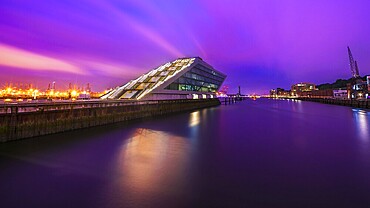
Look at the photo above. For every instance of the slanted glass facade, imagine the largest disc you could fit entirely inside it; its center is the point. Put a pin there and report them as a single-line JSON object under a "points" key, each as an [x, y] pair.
{"points": [[200, 79], [190, 74], [143, 85]]}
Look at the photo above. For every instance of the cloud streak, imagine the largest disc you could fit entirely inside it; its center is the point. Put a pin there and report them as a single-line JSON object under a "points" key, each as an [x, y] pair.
{"points": [[140, 28], [113, 69], [19, 58]]}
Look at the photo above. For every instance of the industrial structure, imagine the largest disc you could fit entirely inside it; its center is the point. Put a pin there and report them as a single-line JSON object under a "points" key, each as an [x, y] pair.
{"points": [[355, 88], [184, 78], [353, 64], [358, 88]]}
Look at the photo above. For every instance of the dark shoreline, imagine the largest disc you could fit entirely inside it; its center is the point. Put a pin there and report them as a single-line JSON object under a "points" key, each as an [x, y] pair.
{"points": [[343, 102]]}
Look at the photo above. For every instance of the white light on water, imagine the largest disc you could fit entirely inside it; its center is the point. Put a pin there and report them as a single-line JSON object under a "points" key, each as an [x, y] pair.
{"points": [[194, 119], [362, 121]]}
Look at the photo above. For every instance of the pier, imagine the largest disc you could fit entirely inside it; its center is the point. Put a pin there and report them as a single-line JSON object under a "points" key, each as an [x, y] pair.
{"points": [[19, 121], [231, 99]]}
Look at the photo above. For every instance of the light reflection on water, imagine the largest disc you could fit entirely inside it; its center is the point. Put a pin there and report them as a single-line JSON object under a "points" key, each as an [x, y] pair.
{"points": [[297, 106], [362, 122], [194, 119], [150, 159]]}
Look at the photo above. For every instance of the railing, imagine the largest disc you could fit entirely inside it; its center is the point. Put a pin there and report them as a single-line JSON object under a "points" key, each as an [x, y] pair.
{"points": [[9, 108]]}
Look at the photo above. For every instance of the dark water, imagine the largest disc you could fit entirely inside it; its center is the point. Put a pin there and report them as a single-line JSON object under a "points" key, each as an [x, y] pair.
{"points": [[264, 153]]}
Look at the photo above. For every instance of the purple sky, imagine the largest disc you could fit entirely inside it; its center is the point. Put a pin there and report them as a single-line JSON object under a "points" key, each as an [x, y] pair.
{"points": [[259, 44]]}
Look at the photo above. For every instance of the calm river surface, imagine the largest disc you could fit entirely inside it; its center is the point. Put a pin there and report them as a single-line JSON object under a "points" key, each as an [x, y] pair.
{"points": [[263, 153]]}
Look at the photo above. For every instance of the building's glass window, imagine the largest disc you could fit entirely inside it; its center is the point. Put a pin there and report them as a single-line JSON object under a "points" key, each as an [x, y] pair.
{"points": [[154, 79], [142, 86], [198, 79]]}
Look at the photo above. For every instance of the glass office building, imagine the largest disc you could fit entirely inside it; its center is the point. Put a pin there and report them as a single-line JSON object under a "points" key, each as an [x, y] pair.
{"points": [[185, 78]]}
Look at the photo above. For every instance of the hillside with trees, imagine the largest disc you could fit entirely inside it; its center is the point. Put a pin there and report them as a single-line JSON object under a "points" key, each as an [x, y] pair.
{"points": [[340, 83]]}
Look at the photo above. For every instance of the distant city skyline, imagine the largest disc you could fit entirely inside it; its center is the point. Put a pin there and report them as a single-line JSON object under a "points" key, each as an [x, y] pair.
{"points": [[260, 45]]}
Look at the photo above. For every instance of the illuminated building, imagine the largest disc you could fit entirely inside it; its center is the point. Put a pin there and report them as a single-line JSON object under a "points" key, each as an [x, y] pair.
{"points": [[280, 92], [302, 87], [358, 89], [184, 78], [273, 93], [340, 94]]}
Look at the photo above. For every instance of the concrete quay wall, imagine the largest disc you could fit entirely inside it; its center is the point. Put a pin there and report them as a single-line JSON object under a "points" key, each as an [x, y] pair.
{"points": [[351, 103], [25, 121]]}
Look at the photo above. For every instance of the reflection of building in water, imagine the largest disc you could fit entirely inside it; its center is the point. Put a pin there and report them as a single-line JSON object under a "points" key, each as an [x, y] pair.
{"points": [[151, 158], [184, 78]]}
